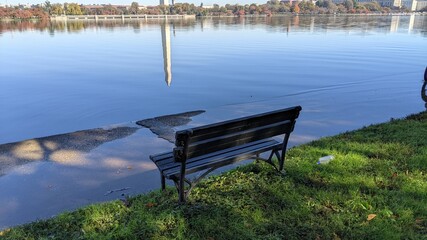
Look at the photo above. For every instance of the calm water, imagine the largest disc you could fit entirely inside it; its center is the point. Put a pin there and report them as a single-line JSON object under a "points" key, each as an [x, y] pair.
{"points": [[346, 72], [61, 77]]}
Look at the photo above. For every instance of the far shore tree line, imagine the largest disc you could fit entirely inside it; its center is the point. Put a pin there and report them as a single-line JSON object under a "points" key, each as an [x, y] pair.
{"points": [[273, 7]]}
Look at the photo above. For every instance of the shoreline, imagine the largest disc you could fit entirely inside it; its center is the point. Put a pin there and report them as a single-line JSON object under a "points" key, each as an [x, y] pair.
{"points": [[184, 17], [327, 196]]}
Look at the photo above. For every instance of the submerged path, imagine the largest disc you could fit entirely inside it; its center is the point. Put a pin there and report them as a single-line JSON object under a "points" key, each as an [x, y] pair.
{"points": [[375, 188]]}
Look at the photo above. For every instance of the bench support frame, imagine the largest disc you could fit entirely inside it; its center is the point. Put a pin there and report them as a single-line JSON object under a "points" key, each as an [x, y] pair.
{"points": [[207, 148], [180, 182]]}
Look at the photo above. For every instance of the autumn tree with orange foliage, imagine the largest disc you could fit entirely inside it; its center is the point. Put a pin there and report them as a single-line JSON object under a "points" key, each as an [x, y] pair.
{"points": [[295, 8], [23, 13]]}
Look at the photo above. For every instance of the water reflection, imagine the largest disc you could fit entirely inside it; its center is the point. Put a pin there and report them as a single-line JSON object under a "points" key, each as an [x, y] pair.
{"points": [[416, 23], [287, 24], [166, 45], [66, 149], [394, 25], [81, 76]]}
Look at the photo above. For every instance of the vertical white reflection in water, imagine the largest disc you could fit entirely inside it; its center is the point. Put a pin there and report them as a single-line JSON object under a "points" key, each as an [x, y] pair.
{"points": [[411, 23], [394, 25], [166, 44]]}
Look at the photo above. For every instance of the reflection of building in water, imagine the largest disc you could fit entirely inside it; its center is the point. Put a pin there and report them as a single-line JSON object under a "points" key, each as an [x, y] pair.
{"points": [[312, 24], [403, 22], [166, 44], [411, 23], [394, 25]]}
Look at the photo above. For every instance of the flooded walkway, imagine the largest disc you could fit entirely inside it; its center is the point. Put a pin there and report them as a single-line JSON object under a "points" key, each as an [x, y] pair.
{"points": [[42, 177]]}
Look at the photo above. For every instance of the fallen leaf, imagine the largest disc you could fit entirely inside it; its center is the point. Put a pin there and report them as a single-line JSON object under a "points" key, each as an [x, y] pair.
{"points": [[371, 216], [150, 204], [394, 175]]}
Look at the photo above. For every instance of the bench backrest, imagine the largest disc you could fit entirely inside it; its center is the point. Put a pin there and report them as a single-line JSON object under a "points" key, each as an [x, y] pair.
{"points": [[206, 139]]}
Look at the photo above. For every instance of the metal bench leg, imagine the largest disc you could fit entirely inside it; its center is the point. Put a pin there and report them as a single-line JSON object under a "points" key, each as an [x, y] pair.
{"points": [[271, 155], [283, 154], [181, 191], [181, 188], [163, 180], [257, 158]]}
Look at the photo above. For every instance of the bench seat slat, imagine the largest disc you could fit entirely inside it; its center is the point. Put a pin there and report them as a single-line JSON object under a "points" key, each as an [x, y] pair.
{"points": [[166, 162], [225, 158], [159, 157]]}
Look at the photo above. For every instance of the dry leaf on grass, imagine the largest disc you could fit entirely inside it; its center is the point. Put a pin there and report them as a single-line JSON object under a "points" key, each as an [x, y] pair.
{"points": [[150, 205], [371, 216]]}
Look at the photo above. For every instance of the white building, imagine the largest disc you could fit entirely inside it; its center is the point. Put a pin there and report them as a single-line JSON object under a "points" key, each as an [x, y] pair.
{"points": [[390, 3], [421, 4], [410, 4]]}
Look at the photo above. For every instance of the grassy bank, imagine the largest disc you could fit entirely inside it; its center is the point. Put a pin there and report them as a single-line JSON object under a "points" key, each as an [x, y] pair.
{"points": [[375, 188]]}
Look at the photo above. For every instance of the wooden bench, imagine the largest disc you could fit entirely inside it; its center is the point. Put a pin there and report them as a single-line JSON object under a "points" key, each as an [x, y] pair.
{"points": [[209, 147]]}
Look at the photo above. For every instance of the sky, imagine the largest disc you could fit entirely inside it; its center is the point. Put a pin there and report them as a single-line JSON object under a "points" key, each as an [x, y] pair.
{"points": [[128, 2]]}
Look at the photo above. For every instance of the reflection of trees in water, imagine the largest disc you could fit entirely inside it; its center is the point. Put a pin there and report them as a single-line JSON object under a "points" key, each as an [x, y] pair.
{"points": [[79, 25], [21, 26], [66, 149], [361, 23], [76, 26]]}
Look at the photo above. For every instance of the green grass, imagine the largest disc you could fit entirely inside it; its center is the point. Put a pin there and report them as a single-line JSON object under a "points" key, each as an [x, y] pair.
{"points": [[380, 169]]}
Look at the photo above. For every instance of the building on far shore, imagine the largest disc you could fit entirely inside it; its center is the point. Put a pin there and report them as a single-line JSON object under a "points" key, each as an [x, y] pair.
{"points": [[421, 4], [409, 4], [412, 5]]}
